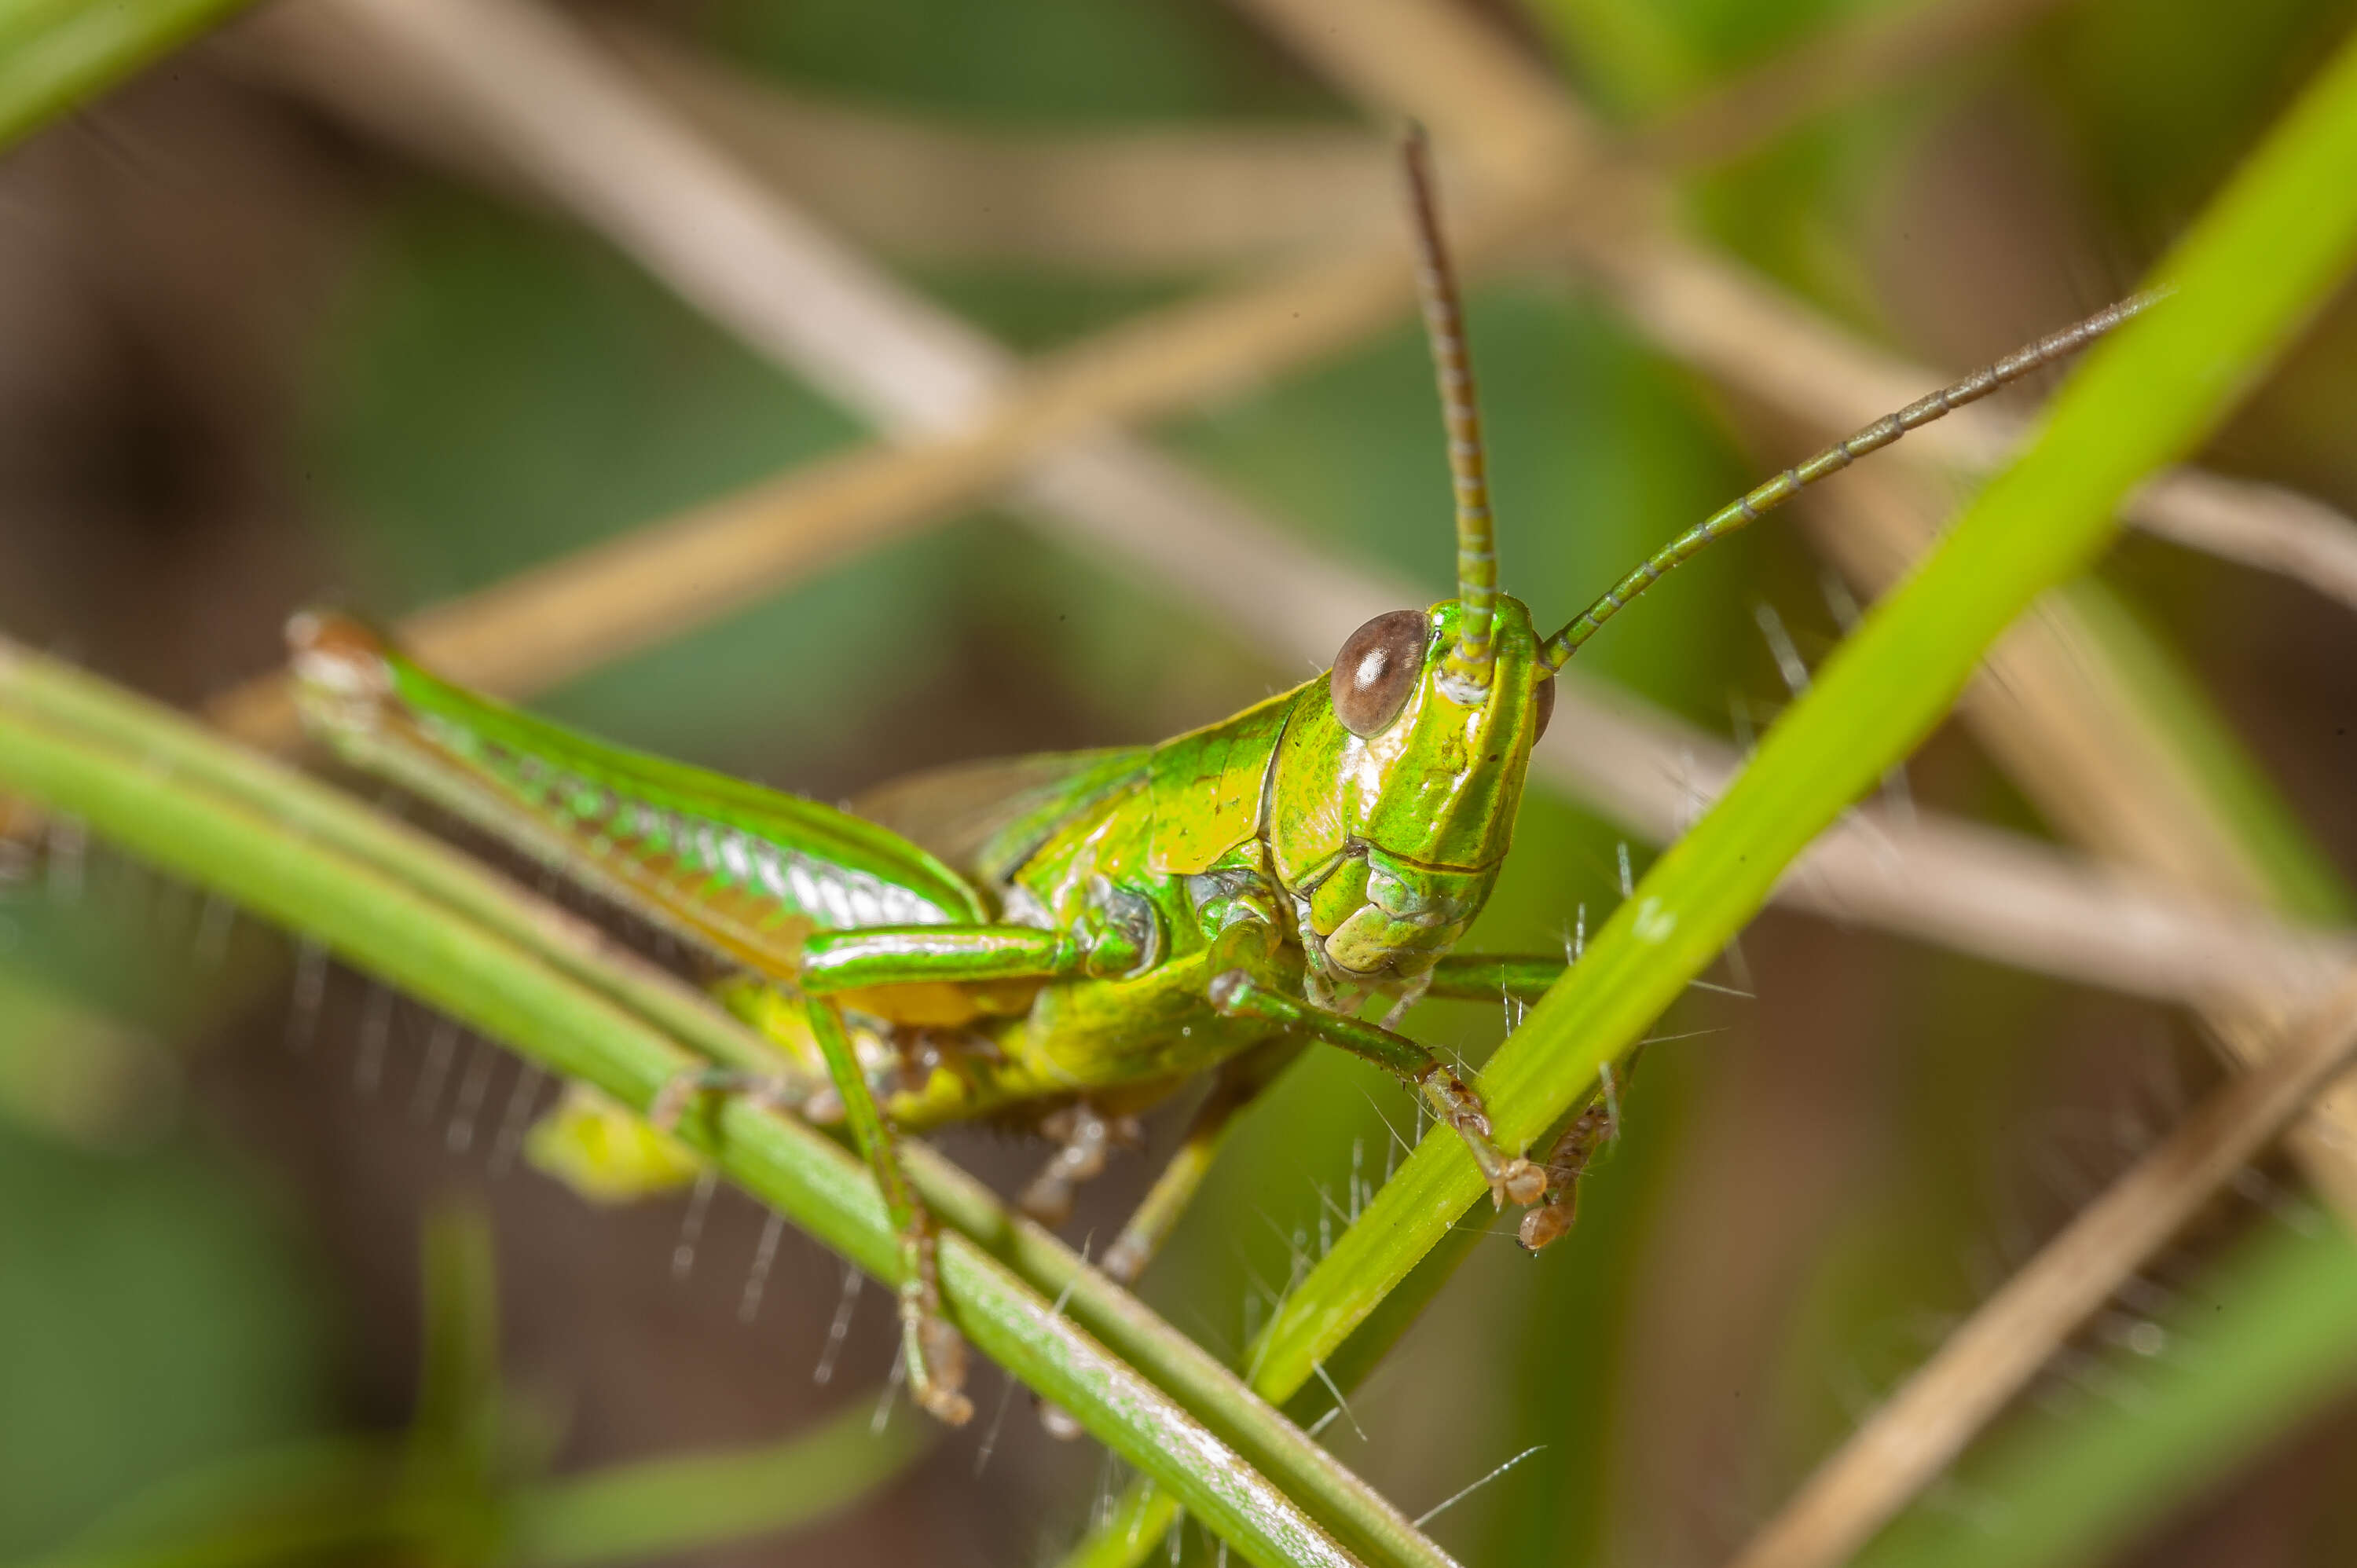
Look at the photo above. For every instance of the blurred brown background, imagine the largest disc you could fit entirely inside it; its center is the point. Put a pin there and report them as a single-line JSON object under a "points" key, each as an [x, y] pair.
{"points": [[279, 329]]}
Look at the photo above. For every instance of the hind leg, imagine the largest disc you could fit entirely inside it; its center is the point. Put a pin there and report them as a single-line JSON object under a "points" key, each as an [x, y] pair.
{"points": [[1086, 1136], [1239, 1083]]}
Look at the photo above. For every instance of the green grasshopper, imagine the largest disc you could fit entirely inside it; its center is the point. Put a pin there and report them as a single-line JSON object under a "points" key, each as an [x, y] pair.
{"points": [[1062, 941]]}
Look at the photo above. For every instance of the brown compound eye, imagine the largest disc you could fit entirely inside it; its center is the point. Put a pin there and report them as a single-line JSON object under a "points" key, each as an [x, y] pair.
{"points": [[1376, 671], [1544, 700]]}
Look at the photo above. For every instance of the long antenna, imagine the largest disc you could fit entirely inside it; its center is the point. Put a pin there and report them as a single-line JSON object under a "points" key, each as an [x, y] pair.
{"points": [[1465, 668], [1747, 508]]}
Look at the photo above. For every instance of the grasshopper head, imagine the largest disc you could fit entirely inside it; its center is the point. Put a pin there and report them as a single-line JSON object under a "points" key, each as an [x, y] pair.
{"points": [[1395, 796]]}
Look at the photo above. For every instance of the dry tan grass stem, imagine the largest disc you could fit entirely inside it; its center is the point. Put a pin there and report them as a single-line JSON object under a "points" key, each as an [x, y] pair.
{"points": [[1699, 307], [1919, 1430], [1740, 330], [1828, 68]]}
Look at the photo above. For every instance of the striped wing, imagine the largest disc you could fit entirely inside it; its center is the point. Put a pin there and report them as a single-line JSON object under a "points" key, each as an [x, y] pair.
{"points": [[733, 866], [986, 817]]}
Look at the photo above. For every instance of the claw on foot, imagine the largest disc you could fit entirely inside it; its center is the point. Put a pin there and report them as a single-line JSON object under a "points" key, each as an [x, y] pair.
{"points": [[1512, 1178], [1518, 1181], [1086, 1137], [936, 1357], [1124, 1259], [1057, 1421], [1547, 1226], [1591, 1132]]}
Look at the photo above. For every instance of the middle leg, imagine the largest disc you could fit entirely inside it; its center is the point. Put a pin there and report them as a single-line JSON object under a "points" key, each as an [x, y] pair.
{"points": [[1086, 1135], [1238, 1083], [1512, 1177]]}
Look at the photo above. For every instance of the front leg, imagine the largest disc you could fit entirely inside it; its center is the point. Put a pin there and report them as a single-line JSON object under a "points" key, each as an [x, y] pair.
{"points": [[1238, 1082], [1593, 1129], [1512, 1177], [1484, 977]]}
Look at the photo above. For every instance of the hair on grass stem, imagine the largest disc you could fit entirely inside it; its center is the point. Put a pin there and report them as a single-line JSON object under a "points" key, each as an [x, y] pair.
{"points": [[1898, 794], [691, 1223], [1294, 1241], [756, 1278], [1340, 1403], [1405, 1147], [441, 1045], [516, 1120], [1738, 969], [1436, 1510], [310, 991], [1789, 667], [997, 1419], [1137, 1519], [376, 1030], [839, 1329], [1277, 1310], [1685, 1035], [480, 1063], [893, 1378]]}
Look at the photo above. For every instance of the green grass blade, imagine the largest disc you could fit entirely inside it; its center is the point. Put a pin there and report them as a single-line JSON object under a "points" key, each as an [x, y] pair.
{"points": [[2268, 1340], [127, 789], [2250, 272], [55, 53], [660, 1507]]}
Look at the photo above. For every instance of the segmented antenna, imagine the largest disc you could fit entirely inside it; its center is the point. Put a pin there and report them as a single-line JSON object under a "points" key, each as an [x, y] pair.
{"points": [[1465, 668], [1747, 508]]}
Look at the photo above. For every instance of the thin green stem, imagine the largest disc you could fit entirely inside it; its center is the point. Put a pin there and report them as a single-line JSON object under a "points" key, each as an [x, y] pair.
{"points": [[658, 1508], [55, 53], [2265, 1342], [490, 979]]}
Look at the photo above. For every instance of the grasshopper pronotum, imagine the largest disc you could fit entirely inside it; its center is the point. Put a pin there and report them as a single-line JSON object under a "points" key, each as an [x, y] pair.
{"points": [[1066, 940]]}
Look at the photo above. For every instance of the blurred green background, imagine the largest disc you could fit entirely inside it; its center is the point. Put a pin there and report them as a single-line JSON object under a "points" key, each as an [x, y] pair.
{"points": [[260, 357]]}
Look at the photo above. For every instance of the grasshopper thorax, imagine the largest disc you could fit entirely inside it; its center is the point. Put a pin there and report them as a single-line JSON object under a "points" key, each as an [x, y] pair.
{"points": [[1392, 802]]}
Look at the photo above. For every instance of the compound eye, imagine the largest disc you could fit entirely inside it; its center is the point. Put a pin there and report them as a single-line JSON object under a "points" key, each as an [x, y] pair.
{"points": [[1376, 671], [1544, 700]]}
